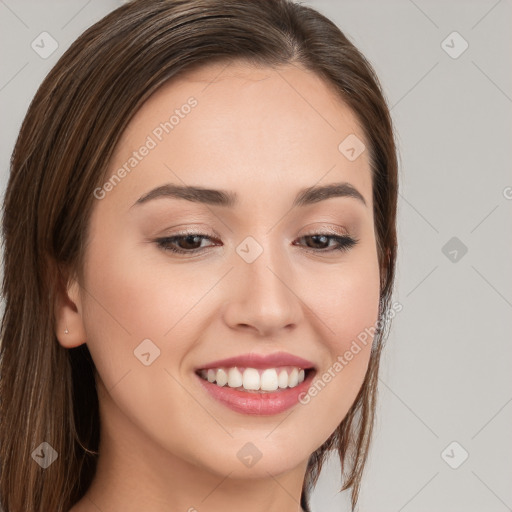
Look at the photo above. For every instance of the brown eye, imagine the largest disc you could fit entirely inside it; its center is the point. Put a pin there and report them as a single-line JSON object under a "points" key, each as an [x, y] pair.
{"points": [[190, 242], [187, 243], [320, 242]]}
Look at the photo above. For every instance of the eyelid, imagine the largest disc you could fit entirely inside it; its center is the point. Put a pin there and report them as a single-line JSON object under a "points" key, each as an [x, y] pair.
{"points": [[326, 229], [196, 230]]}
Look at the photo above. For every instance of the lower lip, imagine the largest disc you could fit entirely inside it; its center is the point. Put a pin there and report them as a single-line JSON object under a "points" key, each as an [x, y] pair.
{"points": [[260, 404]]}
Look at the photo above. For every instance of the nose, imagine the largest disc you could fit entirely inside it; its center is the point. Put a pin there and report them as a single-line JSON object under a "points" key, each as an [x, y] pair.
{"points": [[261, 295]]}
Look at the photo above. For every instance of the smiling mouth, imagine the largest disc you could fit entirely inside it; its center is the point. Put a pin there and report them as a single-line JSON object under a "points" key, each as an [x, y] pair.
{"points": [[256, 380]]}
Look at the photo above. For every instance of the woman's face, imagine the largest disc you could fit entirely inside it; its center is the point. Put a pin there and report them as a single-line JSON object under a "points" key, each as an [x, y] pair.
{"points": [[258, 283]]}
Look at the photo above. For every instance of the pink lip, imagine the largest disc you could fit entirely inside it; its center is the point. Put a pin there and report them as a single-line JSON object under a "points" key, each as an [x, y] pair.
{"points": [[260, 361], [258, 403]]}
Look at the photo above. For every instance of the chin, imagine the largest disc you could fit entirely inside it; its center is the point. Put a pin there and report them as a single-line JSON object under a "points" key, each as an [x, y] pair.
{"points": [[253, 457]]}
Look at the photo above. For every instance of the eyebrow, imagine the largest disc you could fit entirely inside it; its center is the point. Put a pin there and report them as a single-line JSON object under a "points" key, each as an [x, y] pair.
{"points": [[228, 199]]}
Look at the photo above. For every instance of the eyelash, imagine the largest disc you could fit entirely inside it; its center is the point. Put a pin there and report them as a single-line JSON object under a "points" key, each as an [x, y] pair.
{"points": [[345, 242]]}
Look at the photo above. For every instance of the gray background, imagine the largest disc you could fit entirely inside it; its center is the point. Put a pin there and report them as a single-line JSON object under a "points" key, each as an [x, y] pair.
{"points": [[444, 375]]}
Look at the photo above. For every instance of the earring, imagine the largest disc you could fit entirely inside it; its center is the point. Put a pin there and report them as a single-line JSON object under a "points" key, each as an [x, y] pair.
{"points": [[66, 331]]}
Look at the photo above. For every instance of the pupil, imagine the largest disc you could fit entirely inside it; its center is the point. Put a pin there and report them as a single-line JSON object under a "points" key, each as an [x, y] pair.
{"points": [[317, 237], [190, 239]]}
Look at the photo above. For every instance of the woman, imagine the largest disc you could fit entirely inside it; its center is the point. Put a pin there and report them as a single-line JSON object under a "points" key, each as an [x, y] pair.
{"points": [[200, 245]]}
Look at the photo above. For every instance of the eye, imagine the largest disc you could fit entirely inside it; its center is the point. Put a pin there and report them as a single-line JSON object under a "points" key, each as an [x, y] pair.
{"points": [[342, 242], [186, 243], [191, 243]]}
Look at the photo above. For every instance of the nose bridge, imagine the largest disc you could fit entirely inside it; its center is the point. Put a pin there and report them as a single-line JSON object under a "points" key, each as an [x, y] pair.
{"points": [[263, 296], [262, 273]]}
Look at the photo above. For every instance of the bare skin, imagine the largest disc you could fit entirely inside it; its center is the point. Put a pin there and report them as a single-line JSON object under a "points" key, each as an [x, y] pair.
{"points": [[165, 443]]}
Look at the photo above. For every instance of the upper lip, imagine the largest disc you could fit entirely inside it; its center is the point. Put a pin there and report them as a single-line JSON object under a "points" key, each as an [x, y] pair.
{"points": [[260, 361]]}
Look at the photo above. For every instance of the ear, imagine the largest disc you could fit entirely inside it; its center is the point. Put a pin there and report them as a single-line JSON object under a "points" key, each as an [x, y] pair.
{"points": [[68, 311]]}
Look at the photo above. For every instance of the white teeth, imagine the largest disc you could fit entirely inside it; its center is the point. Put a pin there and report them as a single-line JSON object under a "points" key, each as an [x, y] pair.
{"points": [[252, 379], [283, 379], [293, 378], [269, 380], [221, 377], [234, 378]]}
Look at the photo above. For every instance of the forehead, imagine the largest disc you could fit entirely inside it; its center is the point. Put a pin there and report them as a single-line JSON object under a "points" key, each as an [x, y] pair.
{"points": [[255, 125]]}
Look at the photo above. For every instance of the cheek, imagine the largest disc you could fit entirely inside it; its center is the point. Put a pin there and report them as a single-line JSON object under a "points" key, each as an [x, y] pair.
{"points": [[129, 295], [347, 305], [120, 307], [345, 299], [128, 301]]}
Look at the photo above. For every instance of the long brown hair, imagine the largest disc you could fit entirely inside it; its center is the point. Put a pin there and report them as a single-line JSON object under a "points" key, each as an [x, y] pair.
{"points": [[47, 392]]}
